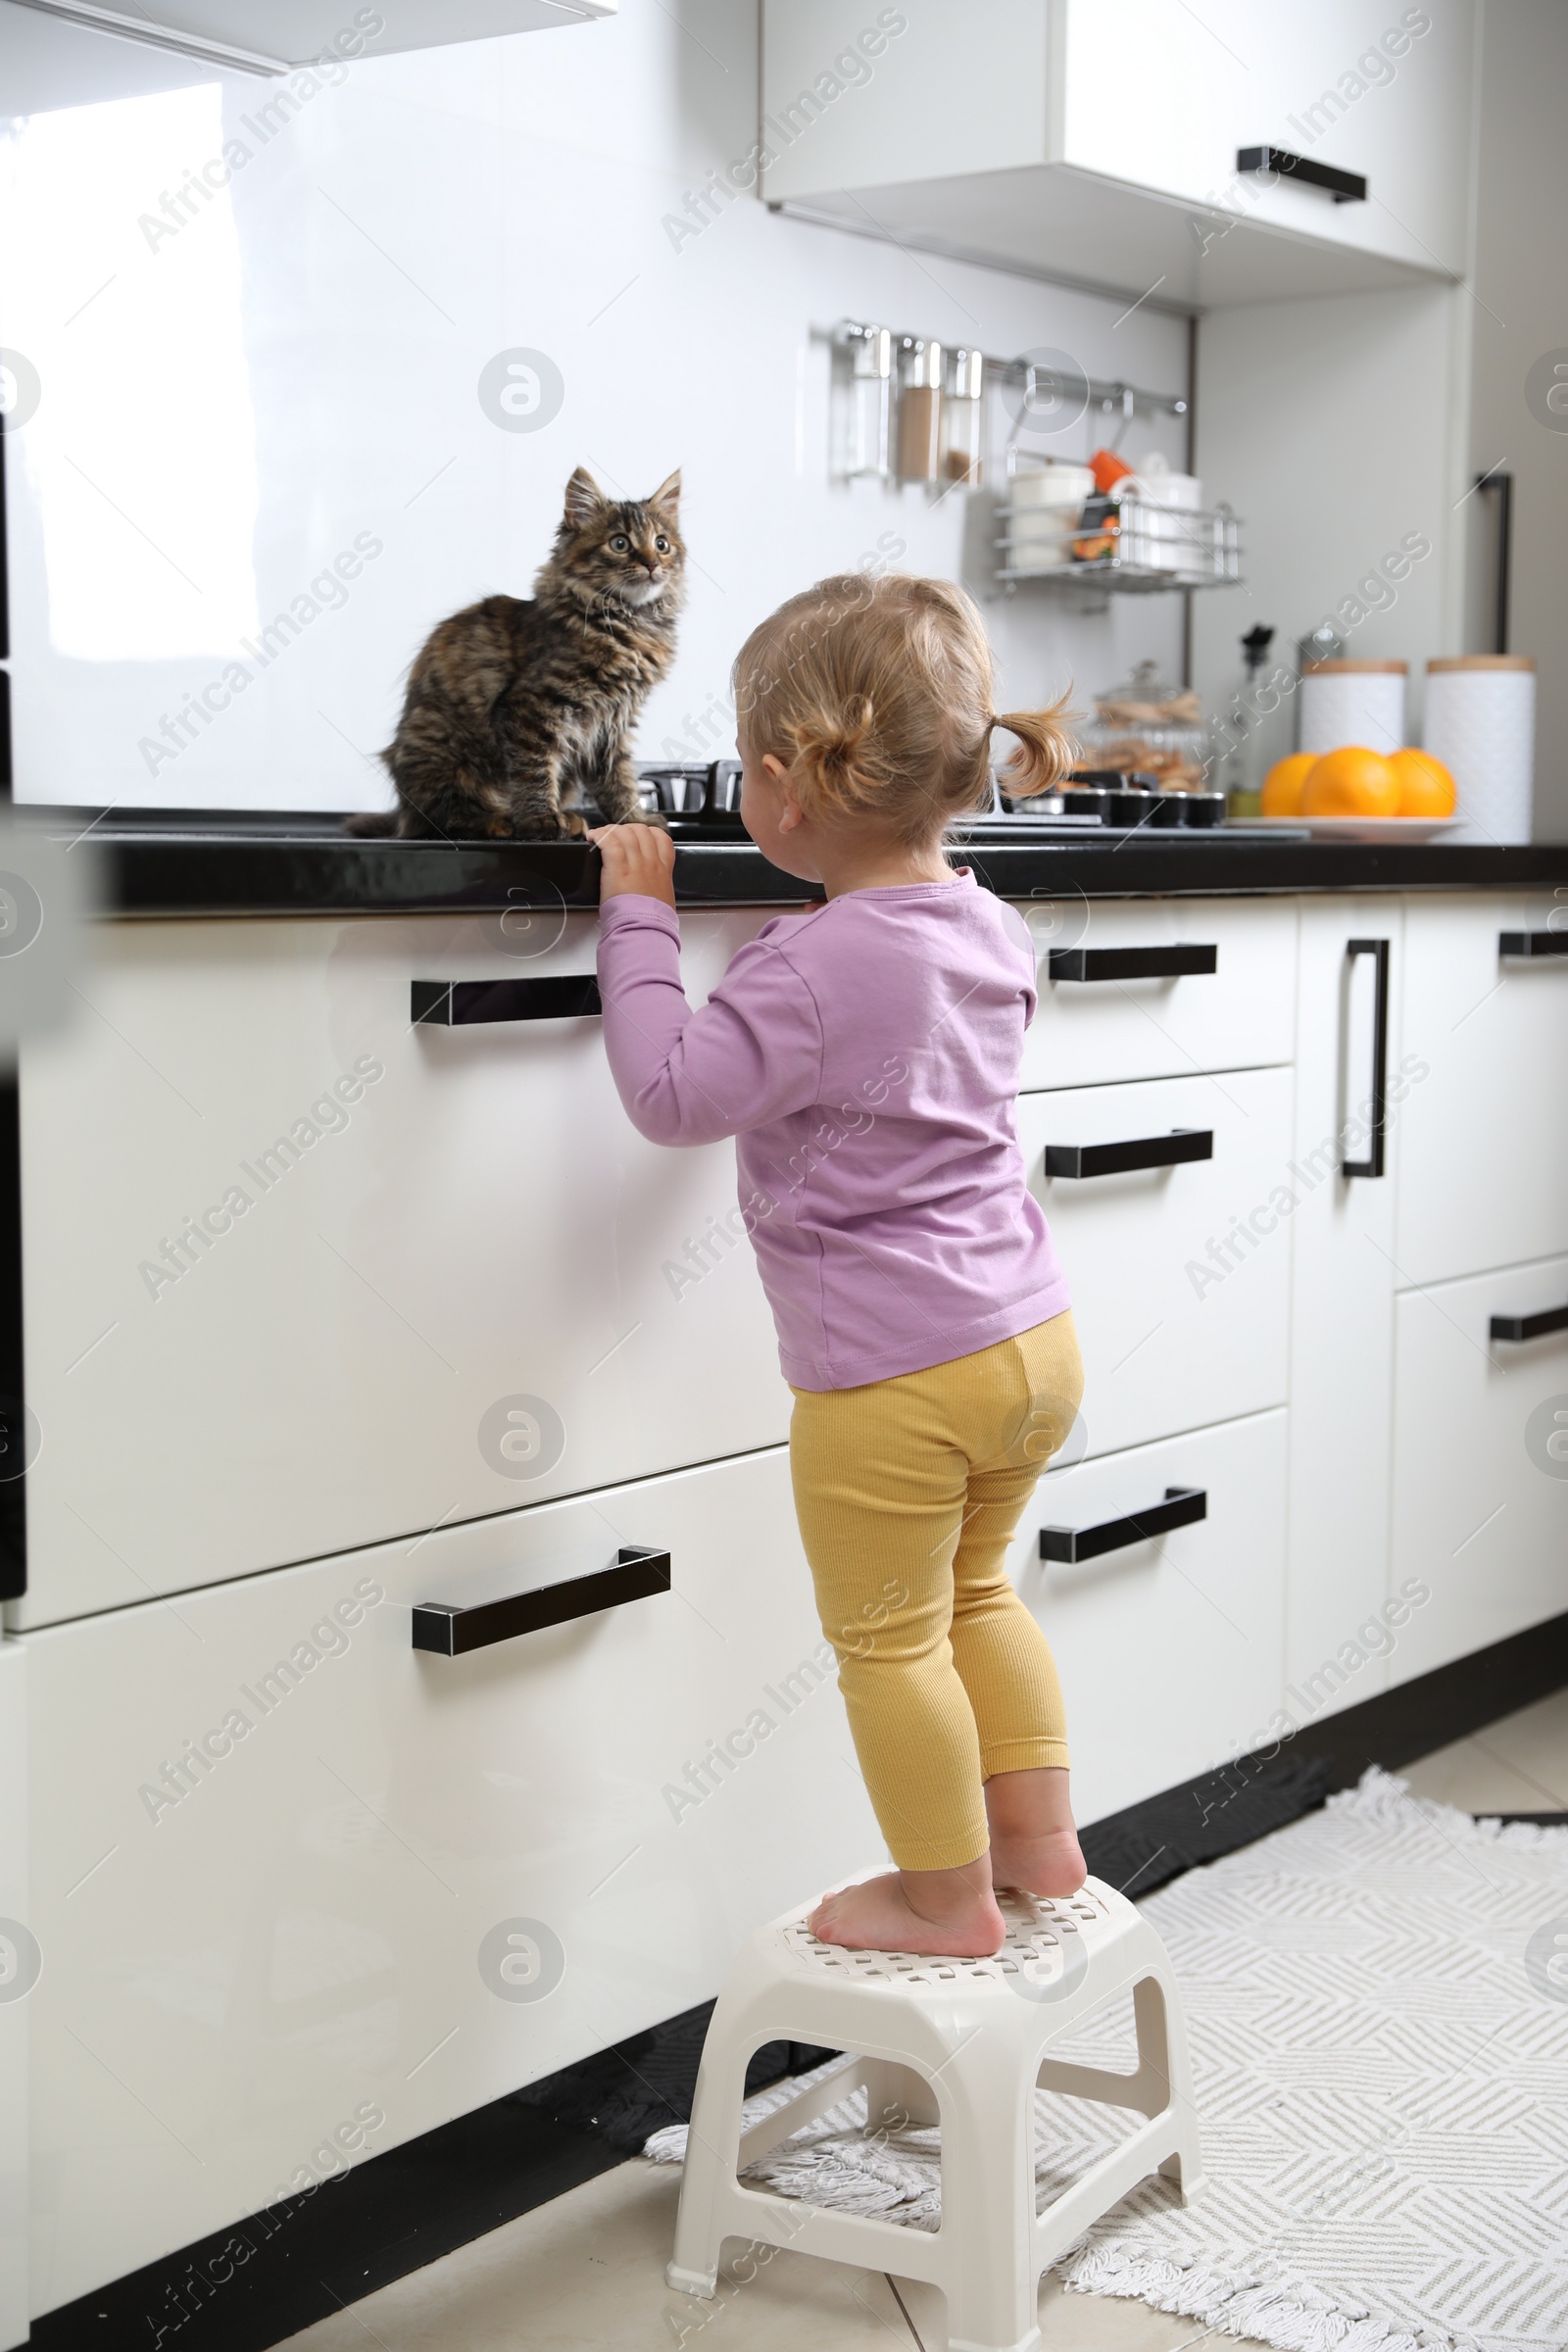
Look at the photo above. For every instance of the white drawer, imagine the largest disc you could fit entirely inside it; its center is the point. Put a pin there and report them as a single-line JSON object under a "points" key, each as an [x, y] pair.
{"points": [[1170, 1650], [1480, 1505], [1485, 1141], [485, 1225], [1172, 1336], [1241, 1015], [301, 1935]]}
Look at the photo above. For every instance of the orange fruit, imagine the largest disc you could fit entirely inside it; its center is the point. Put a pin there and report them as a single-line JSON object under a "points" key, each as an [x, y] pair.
{"points": [[1353, 782], [1425, 787], [1282, 786]]}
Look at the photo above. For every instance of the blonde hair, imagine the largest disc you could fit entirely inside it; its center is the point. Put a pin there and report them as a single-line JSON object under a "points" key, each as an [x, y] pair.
{"points": [[875, 693]]}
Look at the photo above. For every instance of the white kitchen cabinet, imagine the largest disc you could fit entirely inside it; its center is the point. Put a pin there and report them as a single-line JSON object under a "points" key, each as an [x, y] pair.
{"points": [[1169, 1340], [256, 35], [17, 1956], [1482, 1178], [1098, 139], [1111, 1024], [319, 1925], [1169, 1648], [299, 30], [478, 1232], [1188, 92], [1343, 1285], [1479, 1463]]}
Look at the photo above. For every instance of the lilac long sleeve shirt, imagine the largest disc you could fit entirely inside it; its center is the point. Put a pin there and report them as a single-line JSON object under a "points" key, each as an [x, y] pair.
{"points": [[866, 1056]]}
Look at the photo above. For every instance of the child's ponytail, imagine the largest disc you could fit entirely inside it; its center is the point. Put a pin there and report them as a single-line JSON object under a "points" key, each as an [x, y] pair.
{"points": [[1046, 749], [830, 763]]}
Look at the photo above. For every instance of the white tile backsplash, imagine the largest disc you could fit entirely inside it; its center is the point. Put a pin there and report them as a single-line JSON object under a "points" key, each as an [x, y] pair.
{"points": [[260, 471]]}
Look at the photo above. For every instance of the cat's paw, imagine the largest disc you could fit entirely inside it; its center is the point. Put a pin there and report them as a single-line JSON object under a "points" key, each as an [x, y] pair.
{"points": [[545, 825]]}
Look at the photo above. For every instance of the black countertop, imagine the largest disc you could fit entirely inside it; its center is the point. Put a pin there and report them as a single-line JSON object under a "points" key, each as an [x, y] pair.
{"points": [[196, 862]]}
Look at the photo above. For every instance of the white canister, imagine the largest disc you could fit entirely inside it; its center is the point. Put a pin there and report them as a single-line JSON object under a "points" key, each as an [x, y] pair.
{"points": [[1054, 484], [1046, 502], [1353, 702], [1480, 721], [1153, 481]]}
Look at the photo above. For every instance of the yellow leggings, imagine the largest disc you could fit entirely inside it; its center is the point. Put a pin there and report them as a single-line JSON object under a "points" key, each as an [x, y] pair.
{"points": [[908, 1492]]}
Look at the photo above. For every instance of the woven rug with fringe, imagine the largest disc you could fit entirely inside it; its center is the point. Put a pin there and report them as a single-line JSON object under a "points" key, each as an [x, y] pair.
{"points": [[1377, 1999]]}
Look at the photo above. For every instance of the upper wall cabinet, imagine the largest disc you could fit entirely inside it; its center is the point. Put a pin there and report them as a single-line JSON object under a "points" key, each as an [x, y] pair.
{"points": [[271, 36], [1098, 141]]}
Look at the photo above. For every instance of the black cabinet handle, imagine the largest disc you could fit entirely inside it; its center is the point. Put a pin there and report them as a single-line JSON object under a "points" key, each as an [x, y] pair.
{"points": [[1529, 1327], [1181, 1507], [453, 1631], [1345, 187], [1378, 949], [545, 997], [1498, 484], [1132, 963], [1532, 944], [1140, 1151]]}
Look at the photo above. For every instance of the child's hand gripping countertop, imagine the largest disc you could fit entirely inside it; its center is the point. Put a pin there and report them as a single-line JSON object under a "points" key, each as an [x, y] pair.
{"points": [[639, 860]]}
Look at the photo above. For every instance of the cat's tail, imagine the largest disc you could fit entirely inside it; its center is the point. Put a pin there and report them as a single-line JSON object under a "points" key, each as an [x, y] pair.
{"points": [[378, 824]]}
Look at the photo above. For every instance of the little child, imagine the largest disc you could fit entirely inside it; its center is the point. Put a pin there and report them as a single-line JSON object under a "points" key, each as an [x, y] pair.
{"points": [[865, 1055]]}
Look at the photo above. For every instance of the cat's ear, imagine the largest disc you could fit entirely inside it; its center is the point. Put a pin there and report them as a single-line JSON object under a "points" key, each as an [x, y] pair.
{"points": [[667, 498], [584, 498]]}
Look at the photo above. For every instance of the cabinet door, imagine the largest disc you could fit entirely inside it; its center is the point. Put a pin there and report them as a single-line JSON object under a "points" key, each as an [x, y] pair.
{"points": [[891, 114], [1097, 138], [19, 1962], [1113, 1024], [410, 1883], [334, 1350], [1174, 1333], [1169, 1648], [1479, 1463], [1486, 1132], [1343, 1285], [1165, 98]]}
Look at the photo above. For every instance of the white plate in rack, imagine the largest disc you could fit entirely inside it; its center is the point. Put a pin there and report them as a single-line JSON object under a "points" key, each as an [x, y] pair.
{"points": [[1361, 828]]}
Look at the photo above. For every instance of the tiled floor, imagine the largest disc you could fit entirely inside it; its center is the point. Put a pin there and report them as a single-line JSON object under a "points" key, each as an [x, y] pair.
{"points": [[585, 2273], [1517, 1766]]}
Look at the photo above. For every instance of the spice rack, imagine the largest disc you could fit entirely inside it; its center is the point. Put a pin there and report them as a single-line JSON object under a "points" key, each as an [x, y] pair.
{"points": [[912, 409], [885, 368]]}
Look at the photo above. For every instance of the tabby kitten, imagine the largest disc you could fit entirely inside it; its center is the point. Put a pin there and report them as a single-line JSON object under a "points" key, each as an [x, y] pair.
{"points": [[520, 707]]}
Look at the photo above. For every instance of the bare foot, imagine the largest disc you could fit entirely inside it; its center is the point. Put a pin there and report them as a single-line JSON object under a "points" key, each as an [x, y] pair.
{"points": [[1050, 1864], [878, 1915]]}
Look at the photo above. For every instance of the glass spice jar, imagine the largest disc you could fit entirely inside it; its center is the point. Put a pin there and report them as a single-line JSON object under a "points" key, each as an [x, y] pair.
{"points": [[961, 410], [920, 415]]}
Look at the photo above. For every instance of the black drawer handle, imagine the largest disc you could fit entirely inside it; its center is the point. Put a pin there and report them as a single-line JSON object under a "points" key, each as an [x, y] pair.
{"points": [[1181, 1507], [451, 1631], [1373, 1164], [1345, 187], [1530, 1327], [547, 997], [1532, 944], [1141, 1152], [1132, 963]]}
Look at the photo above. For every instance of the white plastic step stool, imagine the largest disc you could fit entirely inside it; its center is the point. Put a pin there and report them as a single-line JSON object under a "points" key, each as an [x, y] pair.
{"points": [[961, 2043]]}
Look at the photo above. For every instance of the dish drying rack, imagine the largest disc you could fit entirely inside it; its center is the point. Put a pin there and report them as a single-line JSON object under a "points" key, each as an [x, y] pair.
{"points": [[1152, 548], [1154, 545]]}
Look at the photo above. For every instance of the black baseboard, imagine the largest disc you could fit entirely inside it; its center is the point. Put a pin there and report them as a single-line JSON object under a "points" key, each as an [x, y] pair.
{"points": [[1196, 1822], [395, 2213]]}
